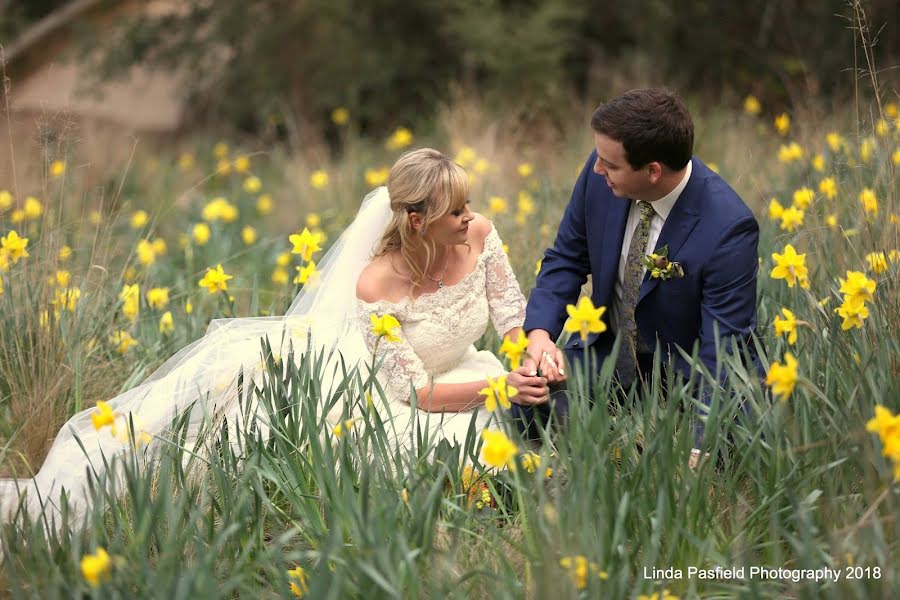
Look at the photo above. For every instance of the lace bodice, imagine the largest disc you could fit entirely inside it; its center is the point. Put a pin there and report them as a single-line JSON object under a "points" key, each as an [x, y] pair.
{"points": [[437, 329]]}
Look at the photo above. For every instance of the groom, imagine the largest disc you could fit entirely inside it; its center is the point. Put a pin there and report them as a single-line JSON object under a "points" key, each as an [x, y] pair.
{"points": [[642, 191]]}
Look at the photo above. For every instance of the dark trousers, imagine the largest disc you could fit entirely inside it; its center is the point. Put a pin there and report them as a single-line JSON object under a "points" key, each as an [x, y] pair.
{"points": [[554, 414]]}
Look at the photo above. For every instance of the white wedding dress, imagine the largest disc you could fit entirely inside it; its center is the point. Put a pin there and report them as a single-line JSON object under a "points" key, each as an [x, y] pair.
{"points": [[200, 381], [438, 332]]}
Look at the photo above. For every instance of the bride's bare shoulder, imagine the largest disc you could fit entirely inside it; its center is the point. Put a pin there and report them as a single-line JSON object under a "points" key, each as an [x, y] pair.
{"points": [[378, 281], [479, 228]]}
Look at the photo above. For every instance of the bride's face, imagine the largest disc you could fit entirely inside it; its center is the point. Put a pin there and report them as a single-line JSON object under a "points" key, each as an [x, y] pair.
{"points": [[452, 228]]}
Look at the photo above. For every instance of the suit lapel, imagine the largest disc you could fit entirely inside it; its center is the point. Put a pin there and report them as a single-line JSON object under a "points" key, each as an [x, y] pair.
{"points": [[678, 226]]}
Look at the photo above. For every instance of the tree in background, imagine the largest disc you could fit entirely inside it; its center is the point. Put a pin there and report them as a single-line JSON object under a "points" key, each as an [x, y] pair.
{"points": [[252, 63]]}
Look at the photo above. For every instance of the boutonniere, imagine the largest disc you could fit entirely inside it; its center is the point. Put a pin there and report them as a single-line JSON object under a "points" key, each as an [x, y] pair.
{"points": [[661, 267]]}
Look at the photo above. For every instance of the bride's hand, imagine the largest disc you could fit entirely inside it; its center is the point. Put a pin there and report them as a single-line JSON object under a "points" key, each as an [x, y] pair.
{"points": [[532, 390]]}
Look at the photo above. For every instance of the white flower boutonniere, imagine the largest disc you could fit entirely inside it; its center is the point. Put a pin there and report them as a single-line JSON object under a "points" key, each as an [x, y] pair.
{"points": [[661, 267]]}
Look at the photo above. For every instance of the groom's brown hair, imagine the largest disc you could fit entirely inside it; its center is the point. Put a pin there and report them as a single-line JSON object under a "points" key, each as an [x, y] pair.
{"points": [[653, 124]]}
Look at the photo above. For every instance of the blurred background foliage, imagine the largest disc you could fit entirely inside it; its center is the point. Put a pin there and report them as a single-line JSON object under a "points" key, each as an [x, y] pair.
{"points": [[258, 65]]}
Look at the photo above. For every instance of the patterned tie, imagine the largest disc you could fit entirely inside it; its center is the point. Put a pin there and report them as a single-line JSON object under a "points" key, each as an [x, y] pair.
{"points": [[634, 273]]}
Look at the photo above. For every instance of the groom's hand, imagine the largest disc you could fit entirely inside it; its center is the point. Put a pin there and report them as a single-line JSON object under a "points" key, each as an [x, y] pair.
{"points": [[532, 389], [543, 354]]}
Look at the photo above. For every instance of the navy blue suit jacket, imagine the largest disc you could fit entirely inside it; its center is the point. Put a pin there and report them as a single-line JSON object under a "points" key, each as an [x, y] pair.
{"points": [[710, 231]]}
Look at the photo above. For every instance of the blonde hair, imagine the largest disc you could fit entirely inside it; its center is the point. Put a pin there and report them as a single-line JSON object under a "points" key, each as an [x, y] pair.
{"points": [[426, 182]]}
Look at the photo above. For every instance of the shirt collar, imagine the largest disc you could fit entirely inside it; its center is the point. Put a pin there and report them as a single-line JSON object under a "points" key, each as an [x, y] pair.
{"points": [[664, 205]]}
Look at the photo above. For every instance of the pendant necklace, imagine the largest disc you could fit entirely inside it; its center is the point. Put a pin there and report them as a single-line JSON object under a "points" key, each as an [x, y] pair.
{"points": [[440, 280]]}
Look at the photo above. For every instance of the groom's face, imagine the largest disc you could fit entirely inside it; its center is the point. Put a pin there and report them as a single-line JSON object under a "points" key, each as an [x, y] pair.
{"points": [[611, 163]]}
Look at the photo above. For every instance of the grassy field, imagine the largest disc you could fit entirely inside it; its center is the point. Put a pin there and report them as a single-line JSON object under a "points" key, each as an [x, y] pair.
{"points": [[803, 485]]}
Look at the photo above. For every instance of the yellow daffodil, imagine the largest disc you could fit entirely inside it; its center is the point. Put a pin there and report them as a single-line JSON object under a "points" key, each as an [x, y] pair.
{"points": [[299, 583], [145, 252], [215, 280], [803, 197], [497, 392], [319, 179], [828, 188], [752, 105], [498, 450], [531, 461], [525, 203], [248, 235], [264, 204], [775, 209], [305, 243], [343, 427], [881, 128], [783, 378], [166, 323], [66, 298], [340, 116], [57, 168], [223, 167], [252, 184], [104, 416], [857, 285], [791, 267], [158, 298], [580, 570], [584, 318], [313, 220], [525, 169], [131, 300], [497, 205], [786, 325], [280, 276], [885, 423], [219, 209], [836, 142], [866, 147], [869, 201], [782, 123], [514, 350], [139, 218], [33, 208], [376, 177], [385, 326], [895, 157], [465, 156], [96, 568], [791, 152], [188, 307], [201, 234], [853, 312], [6, 199], [877, 262], [818, 163], [305, 272], [14, 247], [831, 220], [242, 164], [791, 218], [401, 138]]}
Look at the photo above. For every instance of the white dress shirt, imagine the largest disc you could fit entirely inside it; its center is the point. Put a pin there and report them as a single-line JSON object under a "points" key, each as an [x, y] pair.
{"points": [[661, 210]]}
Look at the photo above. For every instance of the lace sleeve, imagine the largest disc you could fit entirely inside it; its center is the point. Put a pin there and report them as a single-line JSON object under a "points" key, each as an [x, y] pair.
{"points": [[505, 299], [400, 365]]}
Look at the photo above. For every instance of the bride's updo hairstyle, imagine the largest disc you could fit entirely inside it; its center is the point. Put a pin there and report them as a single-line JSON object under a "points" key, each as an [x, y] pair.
{"points": [[425, 182]]}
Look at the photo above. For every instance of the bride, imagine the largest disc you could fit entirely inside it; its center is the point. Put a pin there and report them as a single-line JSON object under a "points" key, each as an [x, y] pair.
{"points": [[415, 252]]}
